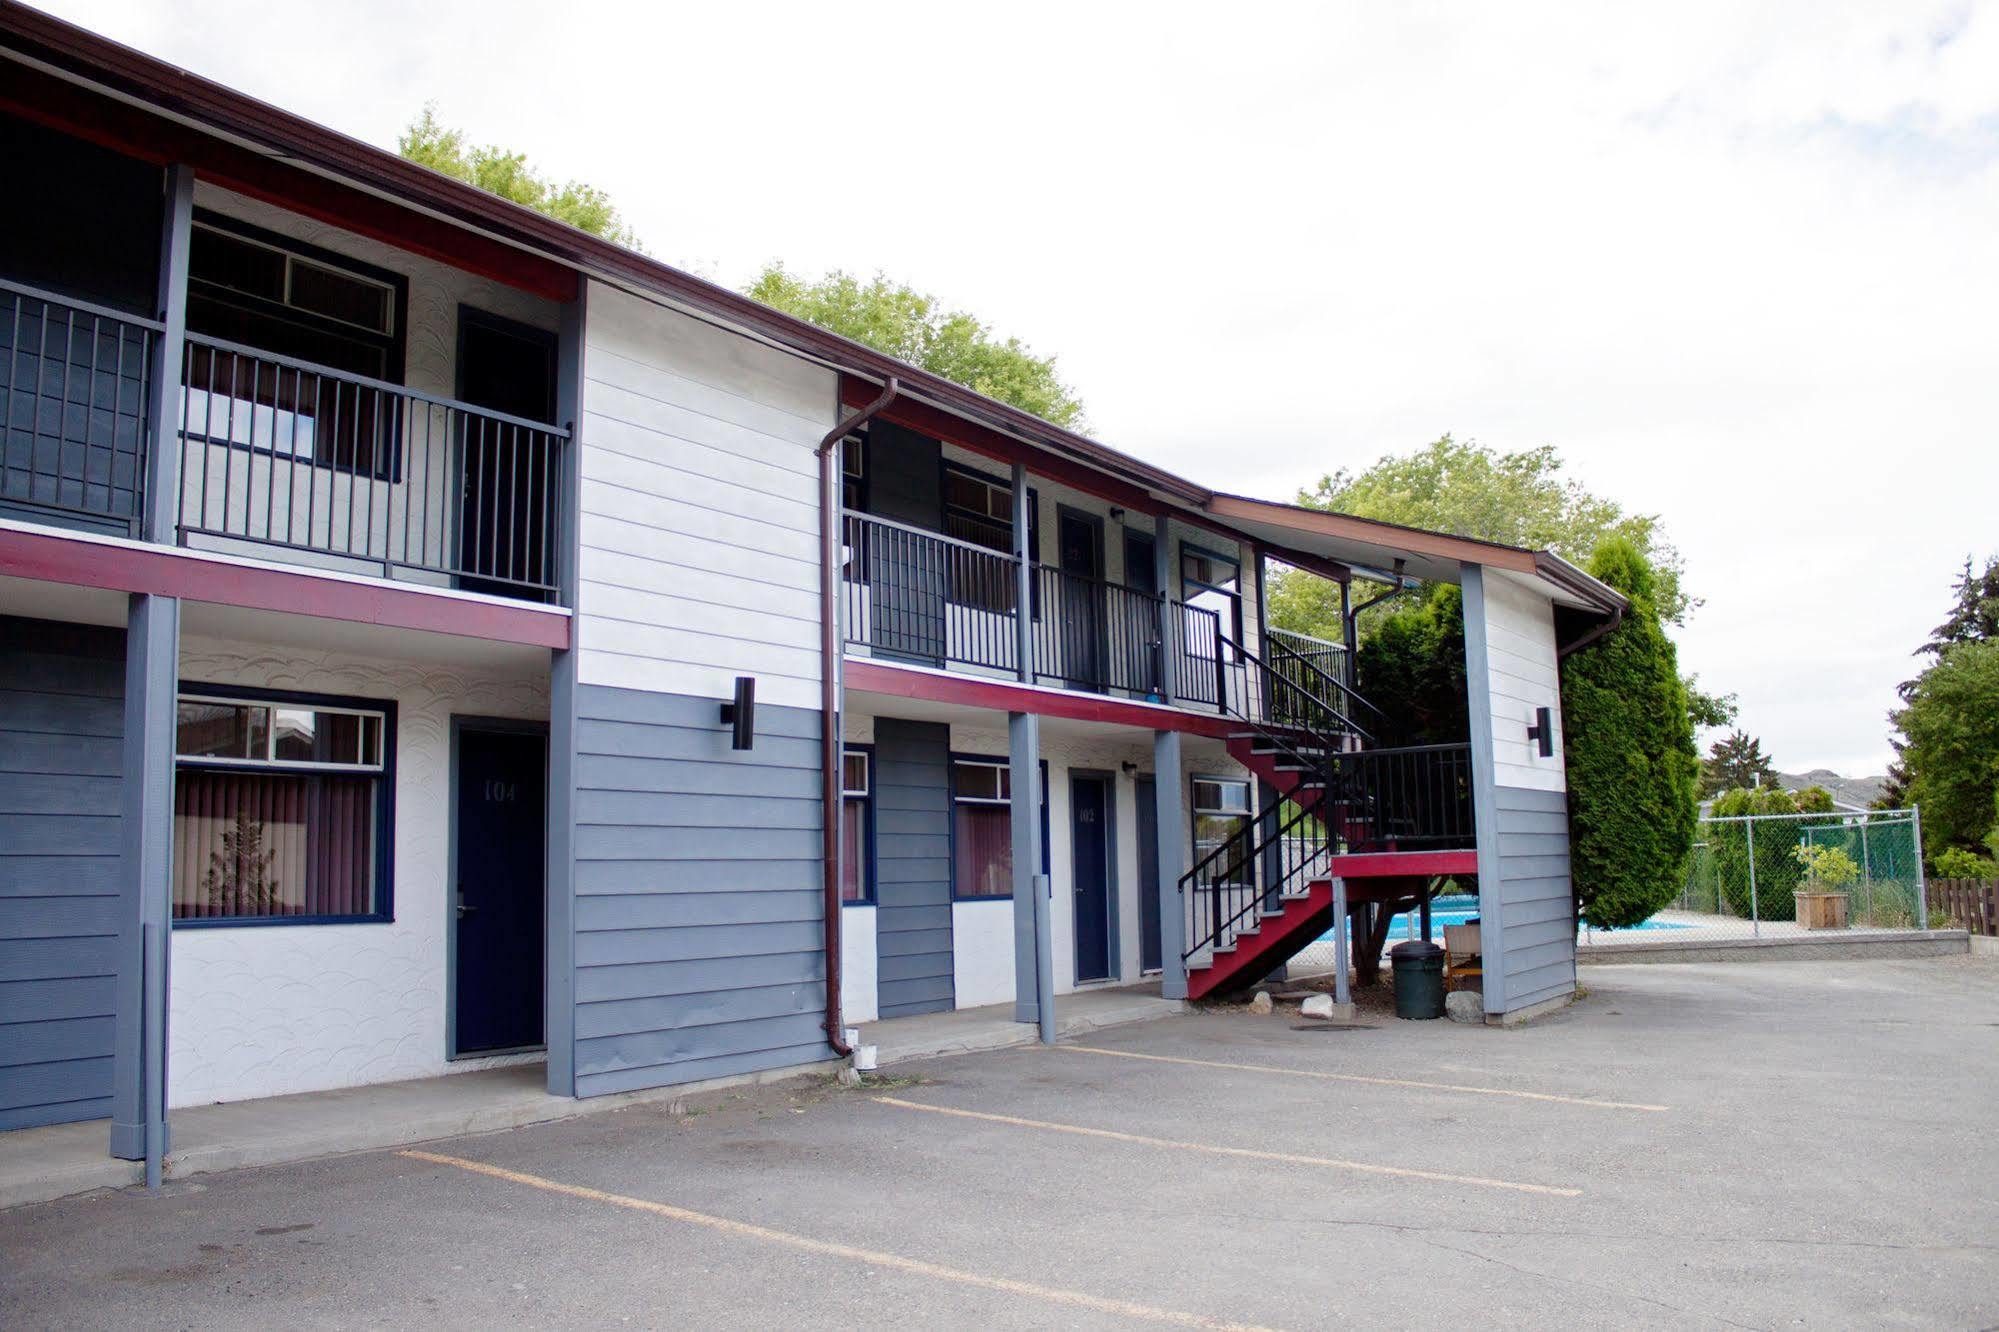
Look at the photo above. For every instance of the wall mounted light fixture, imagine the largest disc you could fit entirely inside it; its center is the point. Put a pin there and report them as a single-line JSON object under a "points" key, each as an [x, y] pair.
{"points": [[1542, 732], [742, 713]]}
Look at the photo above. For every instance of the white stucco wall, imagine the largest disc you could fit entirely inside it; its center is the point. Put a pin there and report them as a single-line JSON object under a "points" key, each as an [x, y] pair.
{"points": [[270, 1010], [982, 953], [859, 997]]}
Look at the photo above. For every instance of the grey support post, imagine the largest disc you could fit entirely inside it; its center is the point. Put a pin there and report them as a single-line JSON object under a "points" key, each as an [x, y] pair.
{"points": [[1169, 780], [1485, 793], [559, 964], [152, 680], [1029, 884], [1033, 949]]}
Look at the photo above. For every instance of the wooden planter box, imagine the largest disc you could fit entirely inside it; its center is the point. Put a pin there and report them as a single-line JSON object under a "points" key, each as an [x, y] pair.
{"points": [[1821, 911]]}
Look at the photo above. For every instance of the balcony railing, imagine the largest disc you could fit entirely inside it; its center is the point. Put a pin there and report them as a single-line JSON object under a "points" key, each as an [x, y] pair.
{"points": [[922, 597], [75, 379], [365, 474]]}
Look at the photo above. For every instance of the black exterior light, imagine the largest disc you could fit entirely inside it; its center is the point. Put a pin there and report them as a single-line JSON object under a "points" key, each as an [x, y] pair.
{"points": [[1542, 732], [742, 714]]}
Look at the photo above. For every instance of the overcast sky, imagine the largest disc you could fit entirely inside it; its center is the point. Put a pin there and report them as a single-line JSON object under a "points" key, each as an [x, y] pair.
{"points": [[1739, 263]]}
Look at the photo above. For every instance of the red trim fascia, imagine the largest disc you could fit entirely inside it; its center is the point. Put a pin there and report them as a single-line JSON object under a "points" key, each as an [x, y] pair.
{"points": [[856, 392], [879, 678], [940, 424], [167, 572], [112, 124], [1380, 864]]}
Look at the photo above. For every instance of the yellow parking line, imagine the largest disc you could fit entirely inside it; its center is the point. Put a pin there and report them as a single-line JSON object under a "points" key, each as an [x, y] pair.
{"points": [[1378, 1082], [1285, 1158], [1074, 1299]]}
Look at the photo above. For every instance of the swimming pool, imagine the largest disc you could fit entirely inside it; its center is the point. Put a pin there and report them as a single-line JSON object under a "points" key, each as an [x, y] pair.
{"points": [[1462, 910]]}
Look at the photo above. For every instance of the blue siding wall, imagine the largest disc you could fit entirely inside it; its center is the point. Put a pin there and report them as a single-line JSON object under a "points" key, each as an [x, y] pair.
{"points": [[61, 727], [912, 866], [1539, 938], [699, 946]]}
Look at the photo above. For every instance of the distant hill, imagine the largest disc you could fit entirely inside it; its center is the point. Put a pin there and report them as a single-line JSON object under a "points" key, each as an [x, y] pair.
{"points": [[1861, 791]]}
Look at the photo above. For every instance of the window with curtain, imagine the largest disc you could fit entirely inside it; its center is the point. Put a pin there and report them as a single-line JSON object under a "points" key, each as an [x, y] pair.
{"points": [[982, 827], [281, 809], [856, 822], [1221, 811]]}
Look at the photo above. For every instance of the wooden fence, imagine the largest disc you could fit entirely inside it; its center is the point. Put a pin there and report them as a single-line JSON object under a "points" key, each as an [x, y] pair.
{"points": [[1972, 903]]}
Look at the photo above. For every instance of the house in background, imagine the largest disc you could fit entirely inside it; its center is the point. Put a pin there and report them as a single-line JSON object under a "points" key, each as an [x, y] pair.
{"points": [[378, 560]]}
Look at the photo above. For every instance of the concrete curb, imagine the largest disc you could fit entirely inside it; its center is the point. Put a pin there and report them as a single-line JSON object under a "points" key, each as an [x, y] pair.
{"points": [[1009, 1035], [1785, 948]]}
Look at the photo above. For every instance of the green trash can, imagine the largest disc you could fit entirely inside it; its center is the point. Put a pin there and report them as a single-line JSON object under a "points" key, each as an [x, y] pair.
{"points": [[1419, 979]]}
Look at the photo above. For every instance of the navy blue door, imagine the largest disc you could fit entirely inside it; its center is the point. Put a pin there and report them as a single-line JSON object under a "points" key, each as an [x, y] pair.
{"points": [[1151, 946], [502, 807], [1090, 819]]}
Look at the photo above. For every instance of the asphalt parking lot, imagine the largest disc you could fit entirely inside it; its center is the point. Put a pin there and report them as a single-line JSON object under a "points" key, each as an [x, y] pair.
{"points": [[1784, 1144]]}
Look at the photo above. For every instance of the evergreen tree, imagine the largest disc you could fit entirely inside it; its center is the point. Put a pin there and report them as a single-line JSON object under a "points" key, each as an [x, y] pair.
{"points": [[1736, 761], [1632, 765]]}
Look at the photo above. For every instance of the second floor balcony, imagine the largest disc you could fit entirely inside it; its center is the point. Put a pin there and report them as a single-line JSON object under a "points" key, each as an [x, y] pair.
{"points": [[274, 456]]}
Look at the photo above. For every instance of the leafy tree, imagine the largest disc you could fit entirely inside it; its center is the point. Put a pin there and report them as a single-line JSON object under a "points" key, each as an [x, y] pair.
{"points": [[1974, 615], [1954, 862], [1768, 892], [1518, 499], [1736, 761], [1951, 725], [1412, 667], [1632, 765], [911, 326], [508, 175], [1709, 712]]}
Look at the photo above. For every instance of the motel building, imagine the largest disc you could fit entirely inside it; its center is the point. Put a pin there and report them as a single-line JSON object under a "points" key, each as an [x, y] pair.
{"points": [[432, 638]]}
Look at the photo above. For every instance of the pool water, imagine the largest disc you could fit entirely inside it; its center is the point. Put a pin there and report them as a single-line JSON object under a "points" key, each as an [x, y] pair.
{"points": [[1463, 910]]}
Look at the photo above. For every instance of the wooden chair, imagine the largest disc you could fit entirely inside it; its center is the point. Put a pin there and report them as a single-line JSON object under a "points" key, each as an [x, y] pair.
{"points": [[1461, 951]]}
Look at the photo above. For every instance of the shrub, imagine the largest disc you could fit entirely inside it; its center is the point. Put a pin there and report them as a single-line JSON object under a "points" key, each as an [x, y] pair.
{"points": [[1827, 868], [1957, 863], [1632, 765]]}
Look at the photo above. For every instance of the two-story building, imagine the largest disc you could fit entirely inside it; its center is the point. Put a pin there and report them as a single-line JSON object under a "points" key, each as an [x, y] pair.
{"points": [[431, 636]]}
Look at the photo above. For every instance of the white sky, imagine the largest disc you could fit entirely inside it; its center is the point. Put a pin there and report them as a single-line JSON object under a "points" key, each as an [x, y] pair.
{"points": [[1739, 263]]}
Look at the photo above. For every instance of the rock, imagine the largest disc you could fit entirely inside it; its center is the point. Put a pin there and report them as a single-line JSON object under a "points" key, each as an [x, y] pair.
{"points": [[849, 1076], [1323, 1006], [1261, 1003], [1464, 1006]]}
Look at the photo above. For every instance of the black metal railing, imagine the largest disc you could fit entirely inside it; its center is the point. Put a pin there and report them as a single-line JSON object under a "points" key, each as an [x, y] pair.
{"points": [[1276, 851], [919, 596], [1328, 657], [75, 383], [285, 453], [1413, 798]]}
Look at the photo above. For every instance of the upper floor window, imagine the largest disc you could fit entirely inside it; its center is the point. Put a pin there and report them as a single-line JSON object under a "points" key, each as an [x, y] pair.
{"points": [[854, 474], [281, 808], [1212, 582], [267, 294]]}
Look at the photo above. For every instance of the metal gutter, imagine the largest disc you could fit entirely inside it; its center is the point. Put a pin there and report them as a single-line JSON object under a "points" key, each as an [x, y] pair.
{"points": [[831, 748]]}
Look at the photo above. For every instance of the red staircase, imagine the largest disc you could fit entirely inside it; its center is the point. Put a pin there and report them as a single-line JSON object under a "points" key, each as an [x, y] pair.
{"points": [[1385, 820]]}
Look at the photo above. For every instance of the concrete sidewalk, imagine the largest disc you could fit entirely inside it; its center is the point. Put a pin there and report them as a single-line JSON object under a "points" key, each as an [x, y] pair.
{"points": [[967, 1030], [40, 1164]]}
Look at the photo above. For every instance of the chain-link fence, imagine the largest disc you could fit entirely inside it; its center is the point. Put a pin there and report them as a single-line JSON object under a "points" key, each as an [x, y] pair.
{"points": [[1771, 875]]}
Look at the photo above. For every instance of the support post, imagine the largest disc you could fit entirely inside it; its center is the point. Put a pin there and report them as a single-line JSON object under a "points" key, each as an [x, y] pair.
{"points": [[1485, 793], [1755, 915], [159, 519], [1922, 880], [1169, 617], [559, 911], [1342, 928], [1023, 579], [1167, 786], [1029, 884], [138, 1089]]}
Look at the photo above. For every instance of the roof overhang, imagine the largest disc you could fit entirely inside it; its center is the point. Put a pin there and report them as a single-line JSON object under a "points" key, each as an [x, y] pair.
{"points": [[1368, 544]]}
